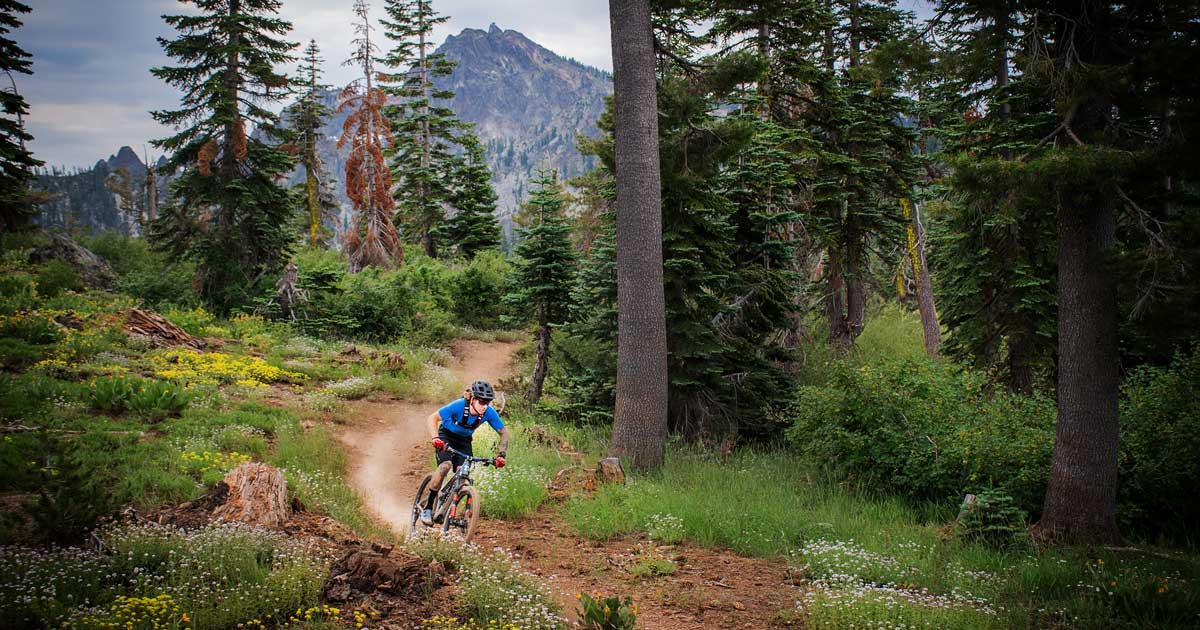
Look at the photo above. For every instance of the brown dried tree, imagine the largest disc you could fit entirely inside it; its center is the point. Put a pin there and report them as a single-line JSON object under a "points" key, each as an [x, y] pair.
{"points": [[372, 240]]}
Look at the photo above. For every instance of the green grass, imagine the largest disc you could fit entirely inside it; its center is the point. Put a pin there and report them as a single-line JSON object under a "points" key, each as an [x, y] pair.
{"points": [[874, 561], [520, 487]]}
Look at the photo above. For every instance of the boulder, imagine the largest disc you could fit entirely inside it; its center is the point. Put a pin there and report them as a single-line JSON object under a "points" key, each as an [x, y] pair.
{"points": [[93, 270]]}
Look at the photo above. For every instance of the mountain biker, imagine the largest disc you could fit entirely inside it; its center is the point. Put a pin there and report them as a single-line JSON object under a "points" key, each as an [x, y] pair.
{"points": [[453, 426]]}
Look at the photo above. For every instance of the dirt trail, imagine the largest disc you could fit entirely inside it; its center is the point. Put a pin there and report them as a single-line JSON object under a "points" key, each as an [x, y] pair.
{"points": [[389, 440]]}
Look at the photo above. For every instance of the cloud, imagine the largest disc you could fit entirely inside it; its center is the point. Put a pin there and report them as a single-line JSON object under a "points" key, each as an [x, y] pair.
{"points": [[92, 89]]}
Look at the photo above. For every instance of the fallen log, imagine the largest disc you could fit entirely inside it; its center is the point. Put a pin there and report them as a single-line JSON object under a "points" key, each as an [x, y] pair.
{"points": [[158, 330]]}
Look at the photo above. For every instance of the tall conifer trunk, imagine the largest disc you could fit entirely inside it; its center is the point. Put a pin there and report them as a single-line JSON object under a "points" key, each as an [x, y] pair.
{"points": [[542, 366], [1081, 494], [640, 417]]}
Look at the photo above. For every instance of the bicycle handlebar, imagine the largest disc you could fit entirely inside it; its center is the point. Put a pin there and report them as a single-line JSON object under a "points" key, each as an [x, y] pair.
{"points": [[472, 458]]}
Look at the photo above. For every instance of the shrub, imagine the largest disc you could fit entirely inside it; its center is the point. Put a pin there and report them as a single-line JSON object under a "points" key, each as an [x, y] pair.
{"points": [[110, 393], [991, 518], [476, 290], [34, 328], [607, 613], [926, 431], [1160, 447], [145, 274], [155, 400], [56, 277], [193, 320]]}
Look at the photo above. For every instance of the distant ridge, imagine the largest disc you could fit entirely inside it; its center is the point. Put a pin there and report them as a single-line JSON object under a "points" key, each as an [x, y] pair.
{"points": [[526, 101]]}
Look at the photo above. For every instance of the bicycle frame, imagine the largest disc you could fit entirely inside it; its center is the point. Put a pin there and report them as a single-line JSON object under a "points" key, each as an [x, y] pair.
{"points": [[461, 477]]}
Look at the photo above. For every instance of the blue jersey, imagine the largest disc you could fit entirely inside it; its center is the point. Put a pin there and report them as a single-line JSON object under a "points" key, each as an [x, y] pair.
{"points": [[456, 420]]}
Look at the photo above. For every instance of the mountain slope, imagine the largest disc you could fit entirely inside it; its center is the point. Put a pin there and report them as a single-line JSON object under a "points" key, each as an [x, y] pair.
{"points": [[527, 104]]}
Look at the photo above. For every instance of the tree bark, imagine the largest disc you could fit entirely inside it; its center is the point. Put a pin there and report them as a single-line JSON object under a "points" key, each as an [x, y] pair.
{"points": [[640, 417], [1081, 494], [925, 304], [1082, 491], [542, 365], [835, 303], [1020, 368]]}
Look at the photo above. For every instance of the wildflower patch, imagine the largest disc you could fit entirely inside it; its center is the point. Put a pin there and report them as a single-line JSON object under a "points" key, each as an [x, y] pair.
{"points": [[211, 368]]}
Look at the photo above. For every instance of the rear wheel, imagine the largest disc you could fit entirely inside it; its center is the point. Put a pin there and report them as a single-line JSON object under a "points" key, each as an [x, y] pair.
{"points": [[419, 504], [463, 513]]}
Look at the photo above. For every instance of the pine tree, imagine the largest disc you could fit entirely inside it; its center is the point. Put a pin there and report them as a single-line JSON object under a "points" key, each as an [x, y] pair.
{"points": [[422, 158], [228, 210], [372, 241], [540, 285], [310, 115], [17, 164], [995, 250], [474, 228]]}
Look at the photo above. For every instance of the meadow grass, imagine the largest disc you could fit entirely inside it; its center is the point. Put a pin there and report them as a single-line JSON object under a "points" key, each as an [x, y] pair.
{"points": [[211, 578], [520, 487], [882, 562]]}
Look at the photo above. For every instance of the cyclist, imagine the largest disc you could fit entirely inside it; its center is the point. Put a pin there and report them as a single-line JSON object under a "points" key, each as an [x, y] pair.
{"points": [[453, 426]]}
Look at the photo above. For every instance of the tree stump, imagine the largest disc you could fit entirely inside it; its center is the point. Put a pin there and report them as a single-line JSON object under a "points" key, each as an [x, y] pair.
{"points": [[609, 470], [257, 496]]}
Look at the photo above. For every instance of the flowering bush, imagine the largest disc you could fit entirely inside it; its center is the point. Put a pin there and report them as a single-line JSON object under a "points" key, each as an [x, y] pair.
{"points": [[665, 528], [209, 462], [192, 367], [439, 622], [352, 388], [494, 590]]}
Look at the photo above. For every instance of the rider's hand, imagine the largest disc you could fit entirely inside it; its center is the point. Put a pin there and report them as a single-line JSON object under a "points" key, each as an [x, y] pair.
{"points": [[439, 444], [500, 460]]}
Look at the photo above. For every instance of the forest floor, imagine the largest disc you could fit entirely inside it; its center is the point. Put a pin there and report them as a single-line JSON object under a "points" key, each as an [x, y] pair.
{"points": [[388, 443]]}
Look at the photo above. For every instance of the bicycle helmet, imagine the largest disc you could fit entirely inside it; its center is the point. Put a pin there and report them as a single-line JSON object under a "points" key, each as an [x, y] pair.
{"points": [[482, 390]]}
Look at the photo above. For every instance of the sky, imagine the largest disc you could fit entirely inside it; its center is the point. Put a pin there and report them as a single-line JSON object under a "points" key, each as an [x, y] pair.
{"points": [[91, 90]]}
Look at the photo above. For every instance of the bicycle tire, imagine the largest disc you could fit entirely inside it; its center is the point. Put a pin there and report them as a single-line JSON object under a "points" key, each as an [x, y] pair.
{"points": [[418, 504], [465, 502]]}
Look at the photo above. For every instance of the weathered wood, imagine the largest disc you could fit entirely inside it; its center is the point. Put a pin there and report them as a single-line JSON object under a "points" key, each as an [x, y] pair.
{"points": [[257, 496], [609, 470], [158, 330]]}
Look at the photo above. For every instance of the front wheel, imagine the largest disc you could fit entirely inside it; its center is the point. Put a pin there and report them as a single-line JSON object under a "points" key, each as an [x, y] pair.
{"points": [[463, 513], [419, 504]]}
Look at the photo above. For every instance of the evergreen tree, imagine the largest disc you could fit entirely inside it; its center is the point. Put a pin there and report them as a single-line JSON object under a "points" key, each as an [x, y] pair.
{"points": [[228, 210], [474, 228], [319, 205], [372, 241], [17, 164], [540, 285], [995, 250], [422, 157]]}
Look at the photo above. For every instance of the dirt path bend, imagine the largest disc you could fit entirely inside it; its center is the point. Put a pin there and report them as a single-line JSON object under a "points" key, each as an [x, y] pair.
{"points": [[389, 440], [711, 588]]}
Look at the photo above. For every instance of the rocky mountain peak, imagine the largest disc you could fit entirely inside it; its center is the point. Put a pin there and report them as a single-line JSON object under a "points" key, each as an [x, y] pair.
{"points": [[126, 158]]}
